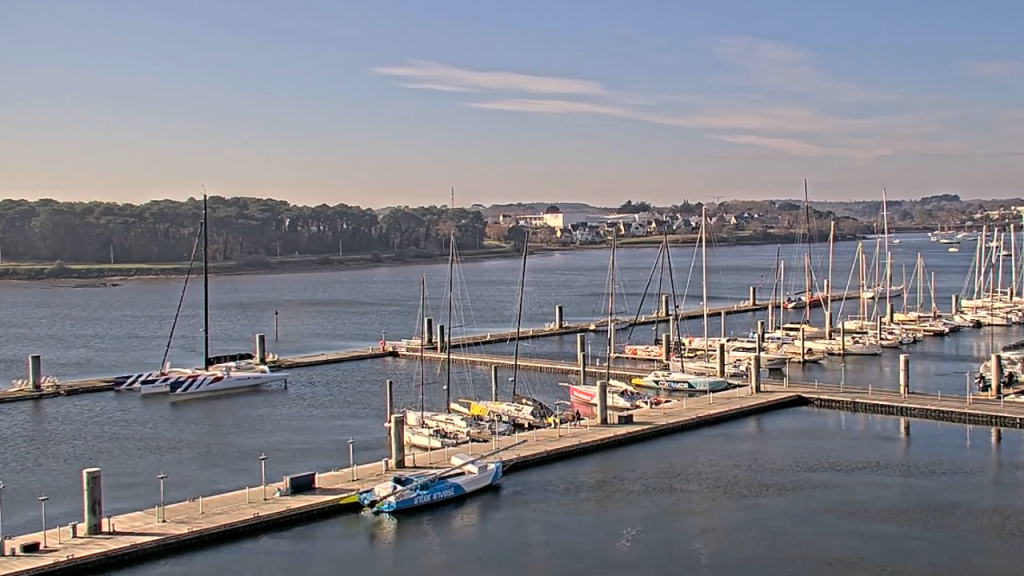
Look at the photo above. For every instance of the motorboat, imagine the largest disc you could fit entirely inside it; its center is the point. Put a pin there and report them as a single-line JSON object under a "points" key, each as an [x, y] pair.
{"points": [[805, 301]]}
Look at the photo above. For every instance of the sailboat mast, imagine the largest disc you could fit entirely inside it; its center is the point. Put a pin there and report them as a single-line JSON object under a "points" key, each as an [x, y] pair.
{"points": [[999, 256], [982, 261], [920, 282], [775, 289], [611, 309], [1013, 262], [782, 295], [206, 285], [807, 222], [831, 243], [888, 256], [704, 271], [423, 340], [863, 303], [448, 342], [934, 307], [519, 315], [807, 286]]}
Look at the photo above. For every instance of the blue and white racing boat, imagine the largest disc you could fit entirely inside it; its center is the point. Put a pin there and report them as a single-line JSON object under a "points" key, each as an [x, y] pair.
{"points": [[404, 492]]}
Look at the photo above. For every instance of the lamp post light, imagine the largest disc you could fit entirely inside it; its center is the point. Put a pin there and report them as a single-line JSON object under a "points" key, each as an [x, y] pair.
{"points": [[163, 515], [351, 457], [263, 474], [42, 501]]}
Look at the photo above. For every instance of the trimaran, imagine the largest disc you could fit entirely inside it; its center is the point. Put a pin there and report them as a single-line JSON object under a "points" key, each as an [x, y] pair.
{"points": [[218, 373]]}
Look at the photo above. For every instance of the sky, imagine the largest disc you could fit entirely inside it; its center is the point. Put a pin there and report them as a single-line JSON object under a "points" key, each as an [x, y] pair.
{"points": [[385, 103]]}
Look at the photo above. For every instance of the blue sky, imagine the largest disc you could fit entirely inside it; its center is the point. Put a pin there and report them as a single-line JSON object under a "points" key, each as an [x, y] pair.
{"points": [[380, 103]]}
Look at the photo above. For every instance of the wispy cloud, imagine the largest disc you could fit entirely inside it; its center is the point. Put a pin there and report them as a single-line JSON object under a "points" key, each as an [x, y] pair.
{"points": [[434, 76], [781, 100], [768, 65], [998, 70], [552, 107], [790, 146], [438, 87], [787, 121], [788, 131]]}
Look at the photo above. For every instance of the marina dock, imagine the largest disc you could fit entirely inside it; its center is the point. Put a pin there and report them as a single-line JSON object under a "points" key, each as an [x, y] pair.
{"points": [[64, 389], [138, 535], [372, 352], [533, 364]]}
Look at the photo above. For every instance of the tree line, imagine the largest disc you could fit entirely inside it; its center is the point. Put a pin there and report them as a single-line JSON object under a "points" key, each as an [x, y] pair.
{"points": [[166, 230]]}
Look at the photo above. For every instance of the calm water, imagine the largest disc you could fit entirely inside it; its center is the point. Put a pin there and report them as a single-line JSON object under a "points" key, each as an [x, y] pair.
{"points": [[797, 492], [210, 445]]}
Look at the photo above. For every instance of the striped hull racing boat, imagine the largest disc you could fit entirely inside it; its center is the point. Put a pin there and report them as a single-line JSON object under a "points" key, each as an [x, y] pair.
{"points": [[185, 381]]}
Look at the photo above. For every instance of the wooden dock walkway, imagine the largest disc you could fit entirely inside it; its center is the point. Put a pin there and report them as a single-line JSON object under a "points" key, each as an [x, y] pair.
{"points": [[62, 389], [535, 364], [138, 535], [329, 358], [602, 324]]}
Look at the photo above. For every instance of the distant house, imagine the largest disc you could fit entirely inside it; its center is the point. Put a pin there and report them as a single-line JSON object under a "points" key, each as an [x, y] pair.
{"points": [[767, 221], [587, 234], [551, 219]]}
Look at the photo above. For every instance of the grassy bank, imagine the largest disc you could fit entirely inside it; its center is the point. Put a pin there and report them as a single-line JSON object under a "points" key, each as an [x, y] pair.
{"points": [[37, 271], [98, 272]]}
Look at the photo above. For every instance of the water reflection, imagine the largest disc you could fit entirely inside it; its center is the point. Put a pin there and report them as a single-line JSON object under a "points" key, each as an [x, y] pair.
{"points": [[383, 528], [459, 518]]}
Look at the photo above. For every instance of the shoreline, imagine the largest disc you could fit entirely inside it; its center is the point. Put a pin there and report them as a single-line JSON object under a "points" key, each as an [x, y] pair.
{"points": [[102, 276]]}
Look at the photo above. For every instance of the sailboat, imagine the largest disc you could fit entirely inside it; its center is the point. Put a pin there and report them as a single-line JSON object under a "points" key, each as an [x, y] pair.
{"points": [[621, 396], [218, 373], [886, 290], [522, 410], [694, 347], [420, 432], [809, 297], [447, 425]]}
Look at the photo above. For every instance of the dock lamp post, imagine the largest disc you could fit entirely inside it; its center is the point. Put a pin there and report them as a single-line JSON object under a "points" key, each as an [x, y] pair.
{"points": [[42, 501], [163, 514], [352, 457], [263, 474], [3, 547]]}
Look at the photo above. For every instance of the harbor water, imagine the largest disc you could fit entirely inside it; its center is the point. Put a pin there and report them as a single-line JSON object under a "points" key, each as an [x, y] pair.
{"points": [[797, 492], [743, 495]]}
